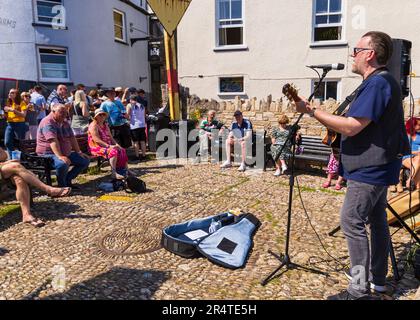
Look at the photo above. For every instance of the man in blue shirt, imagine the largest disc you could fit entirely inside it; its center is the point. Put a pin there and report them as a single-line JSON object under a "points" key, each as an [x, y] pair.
{"points": [[39, 102], [117, 118], [373, 143], [240, 133]]}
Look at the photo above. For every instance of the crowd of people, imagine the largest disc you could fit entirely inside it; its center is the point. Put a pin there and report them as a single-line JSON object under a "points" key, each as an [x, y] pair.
{"points": [[112, 120]]}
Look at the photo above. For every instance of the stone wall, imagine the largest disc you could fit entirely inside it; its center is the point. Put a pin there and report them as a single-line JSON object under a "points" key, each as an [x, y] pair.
{"points": [[264, 113]]}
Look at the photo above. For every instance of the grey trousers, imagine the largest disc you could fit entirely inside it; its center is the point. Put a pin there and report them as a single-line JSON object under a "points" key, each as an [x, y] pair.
{"points": [[365, 204]]}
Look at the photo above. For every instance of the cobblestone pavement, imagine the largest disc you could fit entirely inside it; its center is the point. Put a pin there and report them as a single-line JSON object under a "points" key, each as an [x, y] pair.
{"points": [[111, 249]]}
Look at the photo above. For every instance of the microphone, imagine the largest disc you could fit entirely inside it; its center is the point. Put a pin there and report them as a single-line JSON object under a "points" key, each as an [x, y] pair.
{"points": [[334, 66]]}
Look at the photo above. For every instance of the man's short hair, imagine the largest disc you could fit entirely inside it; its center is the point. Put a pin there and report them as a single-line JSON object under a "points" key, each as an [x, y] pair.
{"points": [[80, 86], [141, 91], [382, 44], [38, 88], [57, 106]]}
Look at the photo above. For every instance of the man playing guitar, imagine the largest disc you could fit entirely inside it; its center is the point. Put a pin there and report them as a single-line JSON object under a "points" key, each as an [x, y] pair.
{"points": [[373, 142]]}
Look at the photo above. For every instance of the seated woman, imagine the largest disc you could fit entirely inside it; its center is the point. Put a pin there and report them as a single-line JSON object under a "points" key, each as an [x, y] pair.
{"points": [[412, 161], [102, 144], [14, 172]]}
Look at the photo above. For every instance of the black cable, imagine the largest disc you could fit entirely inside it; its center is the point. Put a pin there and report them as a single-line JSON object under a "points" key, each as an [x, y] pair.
{"points": [[343, 266]]}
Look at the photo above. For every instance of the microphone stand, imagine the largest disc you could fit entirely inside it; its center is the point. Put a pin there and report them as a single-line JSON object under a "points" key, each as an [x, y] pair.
{"points": [[284, 258]]}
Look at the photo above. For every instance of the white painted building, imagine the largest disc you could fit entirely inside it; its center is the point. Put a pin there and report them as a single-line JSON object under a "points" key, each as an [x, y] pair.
{"points": [[251, 48], [75, 41]]}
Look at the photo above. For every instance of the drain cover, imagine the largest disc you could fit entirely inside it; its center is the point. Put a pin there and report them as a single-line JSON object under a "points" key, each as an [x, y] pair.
{"points": [[135, 240]]}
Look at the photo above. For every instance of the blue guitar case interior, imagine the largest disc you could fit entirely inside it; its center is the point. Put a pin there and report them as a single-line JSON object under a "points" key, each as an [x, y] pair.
{"points": [[228, 246]]}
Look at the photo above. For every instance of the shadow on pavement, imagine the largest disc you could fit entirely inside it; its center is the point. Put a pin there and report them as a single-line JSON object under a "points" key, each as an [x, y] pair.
{"points": [[116, 284]]}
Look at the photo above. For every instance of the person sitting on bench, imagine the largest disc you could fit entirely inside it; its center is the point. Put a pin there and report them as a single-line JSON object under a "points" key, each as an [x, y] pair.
{"points": [[56, 140], [412, 161], [240, 132], [12, 171], [102, 144]]}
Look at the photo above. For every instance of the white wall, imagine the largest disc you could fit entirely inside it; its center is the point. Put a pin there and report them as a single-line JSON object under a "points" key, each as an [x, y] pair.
{"points": [[278, 35], [17, 48], [94, 56]]}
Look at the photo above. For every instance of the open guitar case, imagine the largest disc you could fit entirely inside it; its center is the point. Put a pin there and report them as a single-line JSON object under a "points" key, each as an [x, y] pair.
{"points": [[228, 246]]}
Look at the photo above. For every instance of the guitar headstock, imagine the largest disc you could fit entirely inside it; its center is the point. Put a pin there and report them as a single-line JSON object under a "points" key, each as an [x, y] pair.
{"points": [[291, 92]]}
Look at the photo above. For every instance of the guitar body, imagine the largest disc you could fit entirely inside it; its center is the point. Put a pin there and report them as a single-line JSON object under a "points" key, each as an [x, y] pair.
{"points": [[332, 139]]}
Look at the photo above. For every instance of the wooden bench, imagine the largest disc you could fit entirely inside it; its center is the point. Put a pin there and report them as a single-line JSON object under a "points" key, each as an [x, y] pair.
{"points": [[44, 166], [314, 153]]}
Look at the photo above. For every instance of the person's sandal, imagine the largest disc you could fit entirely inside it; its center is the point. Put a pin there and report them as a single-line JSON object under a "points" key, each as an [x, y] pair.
{"points": [[326, 184], [338, 187], [36, 223], [64, 192]]}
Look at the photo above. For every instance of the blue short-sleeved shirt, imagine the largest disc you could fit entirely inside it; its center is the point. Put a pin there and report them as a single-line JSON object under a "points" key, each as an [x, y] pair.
{"points": [[246, 126], [371, 102], [115, 110]]}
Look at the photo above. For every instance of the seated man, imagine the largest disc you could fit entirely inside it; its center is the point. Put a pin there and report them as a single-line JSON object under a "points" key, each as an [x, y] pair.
{"points": [[12, 171], [56, 140], [208, 127], [240, 132]]}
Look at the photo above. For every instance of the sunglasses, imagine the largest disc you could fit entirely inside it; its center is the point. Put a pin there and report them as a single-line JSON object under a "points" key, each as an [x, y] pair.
{"points": [[356, 50]]}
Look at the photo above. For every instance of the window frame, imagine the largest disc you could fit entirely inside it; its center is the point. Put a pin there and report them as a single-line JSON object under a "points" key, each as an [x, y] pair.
{"points": [[220, 93], [339, 84], [36, 14], [218, 27], [342, 24], [124, 26], [43, 79]]}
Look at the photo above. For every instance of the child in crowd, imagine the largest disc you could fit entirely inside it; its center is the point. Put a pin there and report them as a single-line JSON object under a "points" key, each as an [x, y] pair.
{"points": [[332, 171], [279, 138]]}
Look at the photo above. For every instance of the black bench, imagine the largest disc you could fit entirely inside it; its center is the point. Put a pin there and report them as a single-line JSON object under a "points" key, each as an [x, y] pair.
{"points": [[314, 153], [44, 166]]}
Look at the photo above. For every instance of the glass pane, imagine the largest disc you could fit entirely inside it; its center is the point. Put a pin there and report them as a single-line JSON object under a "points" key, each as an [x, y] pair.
{"points": [[320, 94], [321, 19], [335, 5], [332, 90], [118, 18], [54, 74], [43, 19], [327, 34], [232, 84], [224, 9], [321, 6], [336, 18], [236, 9], [53, 59], [118, 32], [46, 10], [53, 66], [230, 36]]}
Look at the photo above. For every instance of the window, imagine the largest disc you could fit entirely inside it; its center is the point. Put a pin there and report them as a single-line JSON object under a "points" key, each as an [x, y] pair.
{"points": [[47, 11], [119, 26], [329, 89], [230, 24], [53, 64], [231, 85], [328, 25]]}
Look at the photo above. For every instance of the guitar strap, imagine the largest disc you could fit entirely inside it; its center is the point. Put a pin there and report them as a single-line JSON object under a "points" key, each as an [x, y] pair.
{"points": [[349, 99]]}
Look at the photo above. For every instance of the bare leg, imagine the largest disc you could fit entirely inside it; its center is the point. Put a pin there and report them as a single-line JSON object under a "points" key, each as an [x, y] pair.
{"points": [[16, 169], [414, 165], [136, 148], [327, 183], [143, 148], [23, 197], [243, 149]]}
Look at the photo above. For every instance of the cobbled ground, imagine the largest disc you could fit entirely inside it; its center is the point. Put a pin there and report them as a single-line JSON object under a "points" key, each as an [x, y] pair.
{"points": [[110, 248]]}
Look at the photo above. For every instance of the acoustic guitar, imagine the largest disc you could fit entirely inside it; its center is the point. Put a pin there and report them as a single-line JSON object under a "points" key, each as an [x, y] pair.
{"points": [[332, 138]]}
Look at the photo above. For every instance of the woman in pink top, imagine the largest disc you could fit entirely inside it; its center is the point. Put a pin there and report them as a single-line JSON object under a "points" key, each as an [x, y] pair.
{"points": [[102, 144]]}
